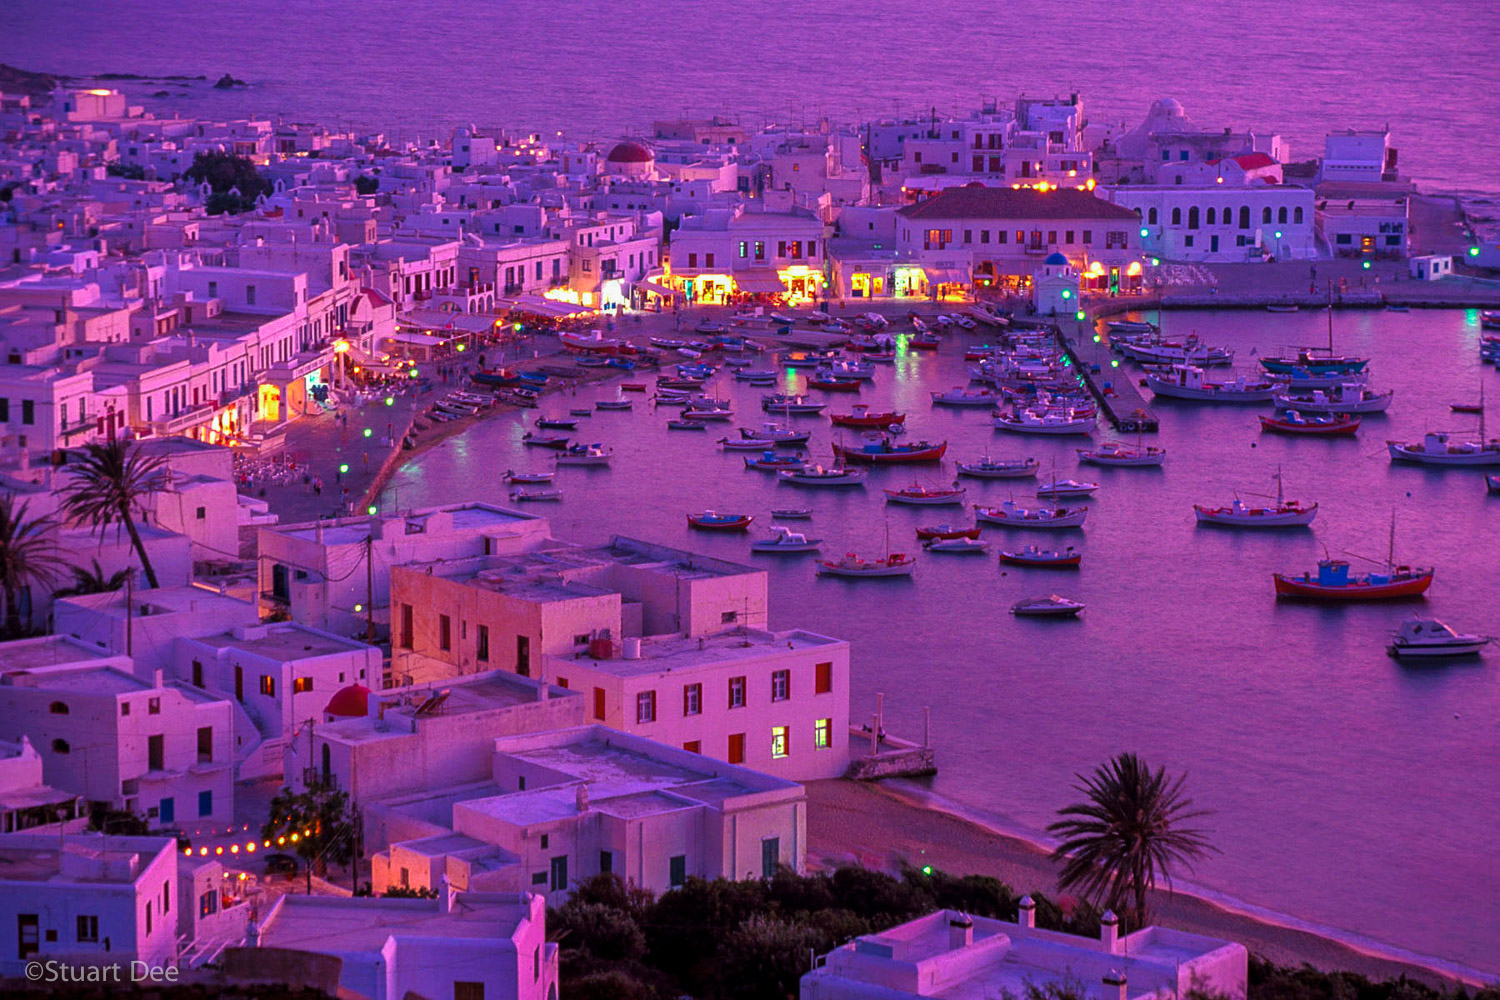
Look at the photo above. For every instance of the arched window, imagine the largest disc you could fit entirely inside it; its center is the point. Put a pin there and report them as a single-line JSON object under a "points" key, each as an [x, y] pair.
{"points": [[1265, 215], [1213, 216], [60, 746], [1176, 216], [1244, 216], [1151, 217], [1193, 217], [1281, 215], [58, 708], [1297, 215]]}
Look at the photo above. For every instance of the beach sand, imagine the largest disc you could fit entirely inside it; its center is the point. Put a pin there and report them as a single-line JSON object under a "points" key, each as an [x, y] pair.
{"points": [[878, 827]]}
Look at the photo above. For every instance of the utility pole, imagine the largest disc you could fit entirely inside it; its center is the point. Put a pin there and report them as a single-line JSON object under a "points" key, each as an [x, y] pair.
{"points": [[129, 622], [370, 586]]}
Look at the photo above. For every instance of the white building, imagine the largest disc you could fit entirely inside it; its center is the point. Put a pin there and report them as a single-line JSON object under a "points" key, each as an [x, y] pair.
{"points": [[25, 799], [87, 899], [718, 255], [958, 957], [464, 945], [1360, 156], [1365, 218], [147, 626]]}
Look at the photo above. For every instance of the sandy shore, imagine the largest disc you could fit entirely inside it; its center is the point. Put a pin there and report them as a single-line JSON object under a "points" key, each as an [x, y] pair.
{"points": [[879, 828]]}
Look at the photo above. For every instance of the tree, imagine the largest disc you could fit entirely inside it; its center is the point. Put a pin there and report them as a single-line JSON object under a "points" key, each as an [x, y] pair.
{"points": [[764, 958], [27, 555], [108, 483], [234, 181], [1129, 831], [316, 823], [366, 184], [92, 580]]}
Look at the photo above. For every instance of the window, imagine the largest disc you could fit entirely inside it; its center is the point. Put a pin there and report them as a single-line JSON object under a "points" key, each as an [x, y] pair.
{"points": [[58, 708], [708, 260], [205, 744], [693, 746], [445, 633], [1068, 236], [823, 734], [1393, 241], [692, 260], [1244, 216], [148, 916], [28, 411], [770, 856], [727, 617], [581, 639], [538, 878], [779, 746], [1297, 215], [736, 753], [61, 746], [406, 626], [482, 644], [301, 685], [606, 862], [155, 753], [467, 990], [781, 248], [1051, 237], [968, 236], [823, 678], [781, 685], [208, 903], [677, 870], [984, 236], [1193, 217], [202, 513], [206, 802], [760, 250], [744, 249], [125, 705], [1344, 239], [1002, 236], [598, 703], [250, 293], [1281, 215], [213, 289], [1176, 216], [166, 896], [645, 707], [692, 699], [268, 685], [523, 655], [559, 873], [1187, 241], [736, 692], [1265, 216], [546, 841]]}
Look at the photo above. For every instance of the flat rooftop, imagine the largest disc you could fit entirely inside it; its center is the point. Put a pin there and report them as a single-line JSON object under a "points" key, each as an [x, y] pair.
{"points": [[472, 518], [665, 654], [362, 924], [167, 600], [47, 651], [487, 692], [90, 680], [285, 642]]}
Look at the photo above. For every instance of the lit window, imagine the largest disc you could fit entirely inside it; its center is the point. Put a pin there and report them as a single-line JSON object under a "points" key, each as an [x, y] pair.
{"points": [[268, 685], [778, 741], [302, 685], [823, 734]]}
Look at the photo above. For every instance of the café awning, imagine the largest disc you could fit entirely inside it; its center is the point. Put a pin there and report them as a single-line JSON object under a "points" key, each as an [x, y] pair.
{"points": [[759, 281]]}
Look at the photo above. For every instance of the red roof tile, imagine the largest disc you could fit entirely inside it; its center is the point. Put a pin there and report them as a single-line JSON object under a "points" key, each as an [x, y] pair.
{"points": [[1015, 203]]}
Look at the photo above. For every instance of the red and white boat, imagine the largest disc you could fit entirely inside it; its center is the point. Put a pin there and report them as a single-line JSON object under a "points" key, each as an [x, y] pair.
{"points": [[885, 451], [1068, 558], [1292, 422], [851, 565], [962, 396], [1115, 454], [1332, 581], [1285, 514], [833, 383], [860, 416], [710, 521], [944, 532], [928, 496], [1011, 516]]}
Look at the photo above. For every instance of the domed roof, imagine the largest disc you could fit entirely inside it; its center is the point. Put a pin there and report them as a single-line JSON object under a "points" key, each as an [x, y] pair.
{"points": [[1056, 259], [352, 701], [630, 152]]}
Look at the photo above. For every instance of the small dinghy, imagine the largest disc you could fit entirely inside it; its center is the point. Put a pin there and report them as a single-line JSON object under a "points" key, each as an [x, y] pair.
{"points": [[791, 513], [528, 495], [512, 476]]}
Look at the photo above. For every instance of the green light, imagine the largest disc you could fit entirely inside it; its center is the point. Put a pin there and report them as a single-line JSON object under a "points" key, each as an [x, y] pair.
{"points": [[414, 373], [1097, 338], [1080, 315], [1145, 232], [1067, 294], [372, 509], [926, 869], [368, 432], [518, 327], [1473, 251], [390, 401], [1156, 262], [463, 347], [1366, 265], [1114, 362], [344, 467], [1278, 234]]}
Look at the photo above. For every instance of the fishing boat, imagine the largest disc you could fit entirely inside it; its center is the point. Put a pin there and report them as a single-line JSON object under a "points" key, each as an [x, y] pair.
{"points": [[957, 546], [860, 416], [947, 531], [1302, 380], [1113, 453], [1002, 468], [1192, 383], [779, 433], [1066, 489], [613, 404], [523, 496], [1191, 351], [686, 425], [770, 461], [1011, 516], [745, 444], [1293, 422], [851, 565], [756, 376], [881, 357], [962, 396], [697, 411], [779, 402], [833, 383], [1051, 606], [1309, 360], [885, 451], [791, 513], [1281, 308], [1286, 513], [556, 423], [1438, 448], [1037, 558], [1428, 638], [1332, 580], [557, 441], [584, 454], [785, 540], [512, 476], [816, 475], [711, 521], [1051, 422], [929, 496], [1466, 407], [1346, 397]]}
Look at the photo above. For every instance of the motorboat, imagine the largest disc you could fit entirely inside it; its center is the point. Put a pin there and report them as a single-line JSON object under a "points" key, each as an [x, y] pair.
{"points": [[1294, 422], [1192, 383], [778, 402], [667, 343], [851, 565], [1012, 516], [942, 532], [685, 424], [1051, 606], [711, 521], [1302, 380], [860, 416], [1129, 326], [770, 461], [791, 513], [1038, 558], [779, 433], [963, 396], [928, 496], [1066, 488], [584, 454], [1051, 422], [1466, 407], [1238, 514], [1439, 448], [1192, 351], [786, 540], [1428, 638], [1346, 397], [522, 496], [999, 468], [556, 423], [512, 476], [694, 411], [885, 451], [817, 475], [847, 368], [957, 546], [923, 342], [632, 387], [556, 441], [1115, 454], [757, 376]]}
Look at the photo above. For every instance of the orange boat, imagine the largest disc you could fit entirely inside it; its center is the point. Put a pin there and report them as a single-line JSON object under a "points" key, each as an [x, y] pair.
{"points": [[946, 532], [1334, 582], [887, 452]]}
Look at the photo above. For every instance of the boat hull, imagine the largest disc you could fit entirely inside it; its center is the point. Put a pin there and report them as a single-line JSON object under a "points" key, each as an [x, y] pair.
{"points": [[933, 454], [976, 471], [1410, 585], [1341, 427], [1444, 651], [1037, 562], [1236, 519], [1405, 453], [1076, 427]]}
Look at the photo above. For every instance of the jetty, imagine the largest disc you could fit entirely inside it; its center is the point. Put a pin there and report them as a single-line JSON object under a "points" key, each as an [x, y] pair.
{"points": [[1115, 390]]}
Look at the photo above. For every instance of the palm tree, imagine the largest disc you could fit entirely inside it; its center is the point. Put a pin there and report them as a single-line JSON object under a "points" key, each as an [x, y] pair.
{"points": [[27, 555], [1128, 832], [108, 484], [92, 580]]}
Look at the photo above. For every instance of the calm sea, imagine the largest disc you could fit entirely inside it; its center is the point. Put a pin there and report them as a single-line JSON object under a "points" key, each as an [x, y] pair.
{"points": [[1348, 790]]}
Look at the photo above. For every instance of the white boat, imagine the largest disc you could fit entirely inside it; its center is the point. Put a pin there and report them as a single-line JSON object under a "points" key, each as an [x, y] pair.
{"points": [[961, 396], [927, 496], [1438, 448], [1066, 488], [1001, 468], [746, 444], [613, 404], [1191, 383], [1492, 483], [512, 476], [1431, 639], [692, 412], [779, 433], [1052, 422], [783, 403], [756, 375], [1238, 514], [1129, 326], [1011, 516], [1345, 397], [791, 513], [851, 565], [816, 475], [527, 495], [1190, 352], [584, 454], [1115, 454], [960, 546], [1051, 606], [786, 540]]}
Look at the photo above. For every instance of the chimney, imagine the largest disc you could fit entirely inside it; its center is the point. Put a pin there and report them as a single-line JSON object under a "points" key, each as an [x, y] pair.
{"points": [[156, 678], [1109, 931], [1114, 985], [445, 894], [1026, 916], [583, 798], [960, 931]]}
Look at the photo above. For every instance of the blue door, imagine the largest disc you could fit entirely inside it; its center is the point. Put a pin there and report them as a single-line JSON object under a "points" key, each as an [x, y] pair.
{"points": [[166, 811]]}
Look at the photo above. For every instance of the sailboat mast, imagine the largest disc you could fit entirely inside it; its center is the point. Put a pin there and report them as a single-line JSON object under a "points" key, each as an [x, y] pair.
{"points": [[1390, 551]]}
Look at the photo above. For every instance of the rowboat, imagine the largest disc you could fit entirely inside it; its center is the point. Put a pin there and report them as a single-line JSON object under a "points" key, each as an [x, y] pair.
{"points": [[693, 412], [1281, 308], [833, 383], [1191, 383], [1066, 488], [945, 531], [1011, 516], [746, 444], [886, 451], [1051, 422], [1293, 422], [613, 404], [1032, 556], [786, 540], [1428, 638], [1004, 468], [710, 521], [1051, 606], [851, 565], [525, 495], [860, 416], [687, 425], [544, 440], [708, 326], [791, 513], [756, 376], [512, 476], [1492, 483], [1114, 454], [962, 396], [818, 476], [1466, 407], [923, 342], [770, 461], [927, 496], [584, 454], [632, 387], [556, 423], [667, 342], [580, 411], [958, 546]]}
